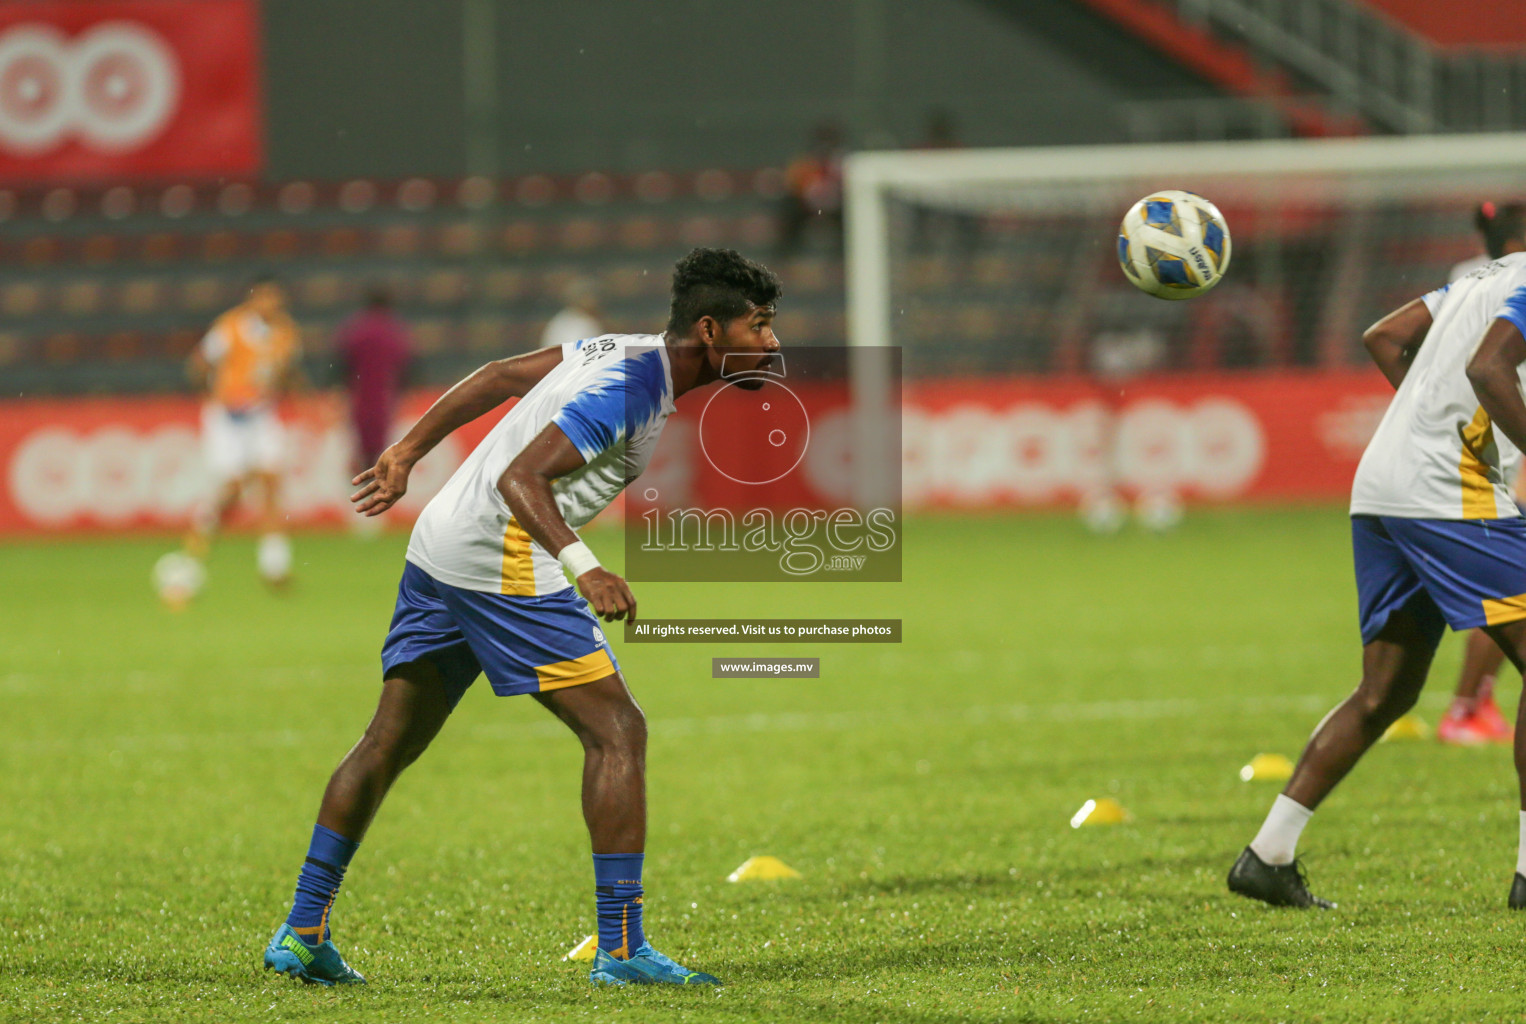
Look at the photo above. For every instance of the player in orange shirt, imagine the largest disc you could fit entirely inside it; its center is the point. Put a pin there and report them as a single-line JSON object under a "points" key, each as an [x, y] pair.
{"points": [[246, 362]]}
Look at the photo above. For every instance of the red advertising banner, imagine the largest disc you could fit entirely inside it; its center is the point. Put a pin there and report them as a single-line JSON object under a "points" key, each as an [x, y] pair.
{"points": [[94, 89], [111, 464], [1036, 441]]}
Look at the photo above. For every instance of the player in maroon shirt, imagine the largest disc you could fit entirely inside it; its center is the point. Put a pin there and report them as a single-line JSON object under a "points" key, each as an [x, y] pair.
{"points": [[374, 352]]}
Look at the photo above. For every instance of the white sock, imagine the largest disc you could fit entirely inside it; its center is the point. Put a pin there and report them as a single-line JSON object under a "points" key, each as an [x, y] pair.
{"points": [[1277, 842], [274, 557], [1520, 858]]}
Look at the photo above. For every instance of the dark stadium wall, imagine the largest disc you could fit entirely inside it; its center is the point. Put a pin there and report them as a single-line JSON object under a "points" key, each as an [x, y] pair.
{"points": [[378, 87]]}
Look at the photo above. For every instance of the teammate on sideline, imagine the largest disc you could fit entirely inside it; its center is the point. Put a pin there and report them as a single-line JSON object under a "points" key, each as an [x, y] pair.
{"points": [[1437, 538], [1473, 717], [246, 362], [483, 590]]}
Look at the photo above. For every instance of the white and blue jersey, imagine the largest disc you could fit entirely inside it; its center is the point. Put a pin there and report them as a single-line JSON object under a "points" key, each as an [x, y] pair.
{"points": [[1434, 528], [611, 396], [1436, 455], [478, 595]]}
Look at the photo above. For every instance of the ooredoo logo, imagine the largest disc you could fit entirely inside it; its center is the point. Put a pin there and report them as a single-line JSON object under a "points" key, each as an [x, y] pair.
{"points": [[114, 87]]}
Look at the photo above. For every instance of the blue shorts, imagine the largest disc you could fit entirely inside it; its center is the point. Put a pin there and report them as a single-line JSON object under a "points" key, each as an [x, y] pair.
{"points": [[1466, 572], [522, 644]]}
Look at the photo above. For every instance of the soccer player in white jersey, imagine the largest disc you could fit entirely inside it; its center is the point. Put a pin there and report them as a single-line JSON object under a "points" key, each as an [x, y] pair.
{"points": [[1473, 717], [483, 589], [1437, 538]]}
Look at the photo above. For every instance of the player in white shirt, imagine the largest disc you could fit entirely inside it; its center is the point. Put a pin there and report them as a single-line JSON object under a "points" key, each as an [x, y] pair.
{"points": [[1474, 717], [1436, 535], [483, 589]]}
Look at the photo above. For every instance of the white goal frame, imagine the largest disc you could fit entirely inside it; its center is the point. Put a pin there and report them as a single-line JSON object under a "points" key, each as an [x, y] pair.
{"points": [[979, 178], [871, 178]]}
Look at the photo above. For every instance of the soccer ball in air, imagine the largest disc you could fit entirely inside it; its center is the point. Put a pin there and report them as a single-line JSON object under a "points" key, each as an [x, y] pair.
{"points": [[1173, 244]]}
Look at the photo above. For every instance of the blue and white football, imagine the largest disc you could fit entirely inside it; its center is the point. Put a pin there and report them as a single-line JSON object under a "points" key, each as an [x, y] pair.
{"points": [[1173, 244]]}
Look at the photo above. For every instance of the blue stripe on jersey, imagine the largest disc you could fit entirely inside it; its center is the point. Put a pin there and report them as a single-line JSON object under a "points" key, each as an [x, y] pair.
{"points": [[1433, 299], [625, 397], [1514, 309]]}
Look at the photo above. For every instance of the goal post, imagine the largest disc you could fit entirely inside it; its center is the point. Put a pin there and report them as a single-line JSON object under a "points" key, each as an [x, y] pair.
{"points": [[1073, 198]]}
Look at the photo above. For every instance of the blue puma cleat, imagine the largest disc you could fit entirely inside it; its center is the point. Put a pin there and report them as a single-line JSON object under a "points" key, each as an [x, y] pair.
{"points": [[646, 967], [315, 965]]}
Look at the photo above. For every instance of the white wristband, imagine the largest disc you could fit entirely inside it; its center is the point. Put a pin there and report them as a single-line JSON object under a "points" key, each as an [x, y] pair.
{"points": [[577, 559]]}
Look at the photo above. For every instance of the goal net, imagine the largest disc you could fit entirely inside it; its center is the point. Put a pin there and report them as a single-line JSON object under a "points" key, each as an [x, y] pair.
{"points": [[997, 262]]}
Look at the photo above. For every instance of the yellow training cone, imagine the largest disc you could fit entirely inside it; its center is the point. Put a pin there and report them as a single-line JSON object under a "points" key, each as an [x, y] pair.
{"points": [[1106, 811], [1408, 727], [584, 950], [1267, 768], [762, 869]]}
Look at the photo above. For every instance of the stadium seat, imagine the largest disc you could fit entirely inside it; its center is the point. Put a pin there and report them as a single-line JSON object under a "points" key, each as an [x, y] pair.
{"points": [[21, 299], [159, 247], [341, 243], [141, 295], [41, 251], [99, 249], [280, 244], [80, 298], [121, 346], [62, 347], [463, 238], [520, 237], [582, 234], [503, 286], [220, 246]]}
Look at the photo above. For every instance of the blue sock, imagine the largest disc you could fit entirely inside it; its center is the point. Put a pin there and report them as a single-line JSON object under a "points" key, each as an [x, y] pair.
{"points": [[318, 884], [617, 894]]}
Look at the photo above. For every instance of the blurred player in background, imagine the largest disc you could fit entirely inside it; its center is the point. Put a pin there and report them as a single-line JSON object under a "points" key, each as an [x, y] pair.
{"points": [[245, 364], [1437, 540], [373, 351], [813, 190], [484, 591], [1473, 717], [576, 320]]}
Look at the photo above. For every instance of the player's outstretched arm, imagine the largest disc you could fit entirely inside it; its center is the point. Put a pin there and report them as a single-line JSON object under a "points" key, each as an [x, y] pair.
{"points": [[485, 390], [1393, 341], [1494, 373], [526, 486]]}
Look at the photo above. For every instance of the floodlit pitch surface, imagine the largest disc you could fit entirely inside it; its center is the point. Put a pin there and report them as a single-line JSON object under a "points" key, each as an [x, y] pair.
{"points": [[161, 772]]}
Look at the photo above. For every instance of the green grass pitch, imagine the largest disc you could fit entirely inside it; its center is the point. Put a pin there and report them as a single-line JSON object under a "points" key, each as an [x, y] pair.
{"points": [[159, 775]]}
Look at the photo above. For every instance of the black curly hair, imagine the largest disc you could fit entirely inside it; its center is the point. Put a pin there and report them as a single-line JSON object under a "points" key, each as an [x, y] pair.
{"points": [[1500, 224], [719, 283]]}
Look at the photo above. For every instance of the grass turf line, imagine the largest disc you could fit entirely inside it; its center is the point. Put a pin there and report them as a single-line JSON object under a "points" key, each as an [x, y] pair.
{"points": [[159, 774]]}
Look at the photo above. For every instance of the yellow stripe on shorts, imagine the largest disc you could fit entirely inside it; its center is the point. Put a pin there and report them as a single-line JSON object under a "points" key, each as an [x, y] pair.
{"points": [[1498, 611], [575, 671]]}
